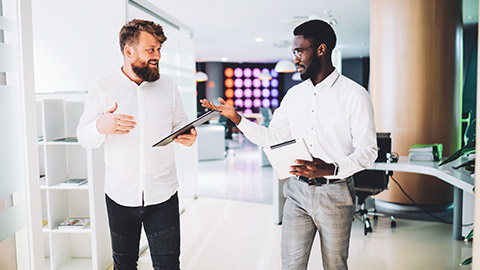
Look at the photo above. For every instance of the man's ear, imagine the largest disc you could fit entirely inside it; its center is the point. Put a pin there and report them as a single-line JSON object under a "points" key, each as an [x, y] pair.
{"points": [[128, 51], [322, 49]]}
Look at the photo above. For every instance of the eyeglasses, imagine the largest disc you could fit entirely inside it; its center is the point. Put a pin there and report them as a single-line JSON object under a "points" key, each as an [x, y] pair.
{"points": [[297, 53]]}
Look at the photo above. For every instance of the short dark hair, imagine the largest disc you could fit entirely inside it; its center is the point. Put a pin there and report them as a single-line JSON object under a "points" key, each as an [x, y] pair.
{"points": [[319, 32], [131, 30]]}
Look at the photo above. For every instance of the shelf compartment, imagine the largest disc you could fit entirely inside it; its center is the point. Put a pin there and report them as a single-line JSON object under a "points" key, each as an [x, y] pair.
{"points": [[70, 251]]}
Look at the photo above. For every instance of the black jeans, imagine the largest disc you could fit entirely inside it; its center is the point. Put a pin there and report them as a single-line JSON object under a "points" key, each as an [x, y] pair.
{"points": [[162, 227]]}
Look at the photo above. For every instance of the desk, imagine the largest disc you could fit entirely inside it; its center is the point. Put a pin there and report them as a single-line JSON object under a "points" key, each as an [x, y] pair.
{"points": [[459, 179]]}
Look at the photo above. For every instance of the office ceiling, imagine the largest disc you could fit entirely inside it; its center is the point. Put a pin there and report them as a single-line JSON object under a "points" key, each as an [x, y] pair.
{"points": [[228, 28]]}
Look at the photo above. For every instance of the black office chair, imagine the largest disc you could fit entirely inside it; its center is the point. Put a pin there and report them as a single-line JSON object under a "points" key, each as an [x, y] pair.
{"points": [[370, 183]]}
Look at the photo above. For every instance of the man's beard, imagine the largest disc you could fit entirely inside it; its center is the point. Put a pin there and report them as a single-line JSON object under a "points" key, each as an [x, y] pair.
{"points": [[313, 69], [144, 71]]}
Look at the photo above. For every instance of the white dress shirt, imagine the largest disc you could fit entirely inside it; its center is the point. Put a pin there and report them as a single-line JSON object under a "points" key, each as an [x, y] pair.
{"points": [[335, 117], [134, 170]]}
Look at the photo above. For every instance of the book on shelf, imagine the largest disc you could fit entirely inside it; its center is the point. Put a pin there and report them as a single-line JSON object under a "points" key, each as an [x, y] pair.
{"points": [[44, 223], [74, 224], [426, 152], [74, 182]]}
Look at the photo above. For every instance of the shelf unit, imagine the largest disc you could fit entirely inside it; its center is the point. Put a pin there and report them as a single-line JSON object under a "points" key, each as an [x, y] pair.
{"points": [[86, 248]]}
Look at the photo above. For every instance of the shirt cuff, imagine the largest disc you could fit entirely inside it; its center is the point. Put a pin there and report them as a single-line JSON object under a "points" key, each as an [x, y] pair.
{"points": [[243, 123], [96, 136]]}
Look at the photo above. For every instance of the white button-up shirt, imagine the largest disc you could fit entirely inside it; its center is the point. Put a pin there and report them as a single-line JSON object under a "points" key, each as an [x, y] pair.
{"points": [[134, 170], [335, 117]]}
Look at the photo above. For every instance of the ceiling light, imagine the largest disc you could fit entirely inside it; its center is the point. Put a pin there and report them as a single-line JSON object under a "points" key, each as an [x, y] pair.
{"points": [[296, 76], [224, 59], [258, 39], [201, 76], [265, 75], [285, 66]]}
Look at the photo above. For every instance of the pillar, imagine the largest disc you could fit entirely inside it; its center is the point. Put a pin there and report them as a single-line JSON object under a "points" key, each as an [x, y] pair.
{"points": [[416, 52]]}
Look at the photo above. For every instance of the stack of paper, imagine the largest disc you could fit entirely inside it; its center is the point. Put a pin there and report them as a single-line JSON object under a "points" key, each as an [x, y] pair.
{"points": [[426, 152]]}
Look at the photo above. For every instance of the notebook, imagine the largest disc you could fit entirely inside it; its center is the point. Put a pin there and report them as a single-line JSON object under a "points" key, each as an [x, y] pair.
{"points": [[283, 155]]}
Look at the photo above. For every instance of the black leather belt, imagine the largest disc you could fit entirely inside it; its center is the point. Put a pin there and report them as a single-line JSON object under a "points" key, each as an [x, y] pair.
{"points": [[318, 181]]}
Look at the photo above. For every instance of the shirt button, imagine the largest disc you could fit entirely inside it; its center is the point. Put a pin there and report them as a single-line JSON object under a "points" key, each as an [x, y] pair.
{"points": [[313, 110], [311, 127], [311, 145]]}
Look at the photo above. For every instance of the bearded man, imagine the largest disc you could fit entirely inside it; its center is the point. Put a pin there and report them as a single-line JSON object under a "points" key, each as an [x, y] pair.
{"points": [[334, 116], [127, 112]]}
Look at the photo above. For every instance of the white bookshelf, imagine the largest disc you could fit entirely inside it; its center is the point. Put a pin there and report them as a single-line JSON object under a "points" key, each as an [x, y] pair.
{"points": [[89, 247]]}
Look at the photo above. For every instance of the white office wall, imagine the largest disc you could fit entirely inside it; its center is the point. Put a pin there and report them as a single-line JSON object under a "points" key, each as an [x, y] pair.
{"points": [[75, 42]]}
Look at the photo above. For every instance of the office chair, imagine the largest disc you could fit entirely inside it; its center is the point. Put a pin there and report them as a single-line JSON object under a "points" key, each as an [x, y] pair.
{"points": [[369, 183]]}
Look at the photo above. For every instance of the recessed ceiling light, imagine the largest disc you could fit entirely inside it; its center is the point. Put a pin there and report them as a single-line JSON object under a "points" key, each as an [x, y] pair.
{"points": [[258, 39], [224, 59]]}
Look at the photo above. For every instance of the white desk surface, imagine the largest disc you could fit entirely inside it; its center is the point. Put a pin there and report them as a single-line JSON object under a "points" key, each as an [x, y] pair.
{"points": [[459, 178]]}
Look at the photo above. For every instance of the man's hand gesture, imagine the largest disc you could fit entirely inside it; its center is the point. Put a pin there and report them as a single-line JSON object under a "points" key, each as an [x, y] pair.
{"points": [[225, 108], [118, 124]]}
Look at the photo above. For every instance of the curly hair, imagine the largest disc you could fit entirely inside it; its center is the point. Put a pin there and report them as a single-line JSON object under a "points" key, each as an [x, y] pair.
{"points": [[131, 30]]}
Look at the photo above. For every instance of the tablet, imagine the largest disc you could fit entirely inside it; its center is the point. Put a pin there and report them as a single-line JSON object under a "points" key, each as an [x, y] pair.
{"points": [[283, 155], [186, 129]]}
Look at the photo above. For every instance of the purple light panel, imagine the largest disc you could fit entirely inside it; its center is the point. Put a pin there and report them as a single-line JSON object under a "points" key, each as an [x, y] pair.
{"points": [[256, 72], [265, 93], [266, 103], [247, 93], [238, 72], [274, 83], [247, 83], [274, 102], [239, 102], [238, 83], [247, 73], [238, 93], [248, 103], [274, 92], [265, 83], [257, 93], [274, 73]]}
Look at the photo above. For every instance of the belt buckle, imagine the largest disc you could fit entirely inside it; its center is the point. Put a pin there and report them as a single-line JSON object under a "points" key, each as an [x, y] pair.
{"points": [[317, 182]]}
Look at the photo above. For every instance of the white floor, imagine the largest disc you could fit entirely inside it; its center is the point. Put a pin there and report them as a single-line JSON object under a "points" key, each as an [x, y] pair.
{"points": [[231, 226]]}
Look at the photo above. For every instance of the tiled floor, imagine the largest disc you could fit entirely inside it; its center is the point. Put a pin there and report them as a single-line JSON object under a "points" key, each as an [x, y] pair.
{"points": [[230, 226]]}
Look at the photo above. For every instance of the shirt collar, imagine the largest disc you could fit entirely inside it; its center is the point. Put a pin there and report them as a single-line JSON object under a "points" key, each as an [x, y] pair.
{"points": [[329, 81], [124, 76]]}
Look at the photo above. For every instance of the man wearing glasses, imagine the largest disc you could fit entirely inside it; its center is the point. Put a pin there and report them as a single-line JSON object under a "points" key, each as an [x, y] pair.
{"points": [[335, 117]]}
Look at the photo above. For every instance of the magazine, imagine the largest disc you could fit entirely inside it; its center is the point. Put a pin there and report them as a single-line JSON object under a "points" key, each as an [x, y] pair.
{"points": [[74, 223]]}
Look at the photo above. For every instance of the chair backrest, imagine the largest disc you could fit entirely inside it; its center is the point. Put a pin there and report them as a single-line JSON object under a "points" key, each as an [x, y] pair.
{"points": [[370, 181]]}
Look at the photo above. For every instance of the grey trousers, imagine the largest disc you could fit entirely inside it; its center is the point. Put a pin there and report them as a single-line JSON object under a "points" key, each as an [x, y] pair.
{"points": [[326, 209]]}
